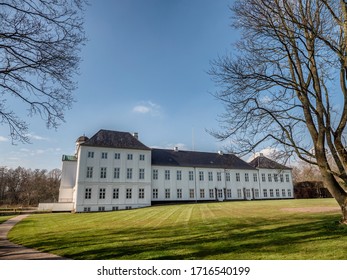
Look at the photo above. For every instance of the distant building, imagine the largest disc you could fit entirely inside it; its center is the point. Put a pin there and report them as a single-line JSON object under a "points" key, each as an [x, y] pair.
{"points": [[113, 170]]}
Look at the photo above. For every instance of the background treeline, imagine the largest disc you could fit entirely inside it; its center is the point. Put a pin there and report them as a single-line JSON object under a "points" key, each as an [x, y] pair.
{"points": [[27, 187]]}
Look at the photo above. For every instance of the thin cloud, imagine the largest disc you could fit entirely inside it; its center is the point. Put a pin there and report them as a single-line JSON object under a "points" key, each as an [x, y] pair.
{"points": [[141, 109], [3, 139], [147, 107], [36, 137]]}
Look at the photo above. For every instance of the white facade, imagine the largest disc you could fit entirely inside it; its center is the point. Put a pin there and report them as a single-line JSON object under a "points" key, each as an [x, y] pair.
{"points": [[276, 183], [112, 179], [114, 171], [203, 184]]}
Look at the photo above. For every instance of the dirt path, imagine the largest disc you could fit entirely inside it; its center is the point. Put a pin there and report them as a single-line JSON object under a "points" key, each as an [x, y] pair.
{"points": [[318, 209], [11, 251]]}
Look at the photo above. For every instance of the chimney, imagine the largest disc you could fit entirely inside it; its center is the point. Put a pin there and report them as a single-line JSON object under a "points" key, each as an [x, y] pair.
{"points": [[220, 153], [136, 135], [176, 149]]}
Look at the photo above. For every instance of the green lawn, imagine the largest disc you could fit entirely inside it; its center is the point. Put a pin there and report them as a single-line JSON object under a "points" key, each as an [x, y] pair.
{"points": [[5, 218], [229, 230]]}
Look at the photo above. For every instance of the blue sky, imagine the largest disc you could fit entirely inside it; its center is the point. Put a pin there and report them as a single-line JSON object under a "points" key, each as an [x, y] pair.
{"points": [[143, 70]]}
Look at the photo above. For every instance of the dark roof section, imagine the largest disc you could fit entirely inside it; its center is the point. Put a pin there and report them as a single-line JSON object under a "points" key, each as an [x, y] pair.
{"points": [[115, 139], [264, 162], [197, 159]]}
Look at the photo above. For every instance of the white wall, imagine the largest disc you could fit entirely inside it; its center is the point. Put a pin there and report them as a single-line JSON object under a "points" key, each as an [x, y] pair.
{"points": [[219, 187], [110, 182], [68, 180], [272, 188]]}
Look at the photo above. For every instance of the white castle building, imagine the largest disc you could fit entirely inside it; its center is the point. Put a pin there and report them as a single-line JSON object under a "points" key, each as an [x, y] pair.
{"points": [[113, 170]]}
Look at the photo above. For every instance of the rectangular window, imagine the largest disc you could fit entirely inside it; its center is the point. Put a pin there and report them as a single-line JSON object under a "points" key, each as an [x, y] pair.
{"points": [[263, 179], [277, 193], [86, 209], [219, 176], [155, 193], [289, 193], [128, 207], [191, 176], [167, 174], [89, 172], [211, 193], [179, 175], [101, 208], [102, 193], [103, 172], [256, 193], [141, 173], [202, 193], [201, 175], [283, 192], [91, 154], [129, 173], [117, 156], [276, 177], [114, 208], [141, 193], [287, 178], [116, 173], [227, 177], [88, 193], [237, 177], [220, 193], [155, 174], [179, 193], [191, 193], [142, 157], [229, 195], [248, 193], [210, 176], [239, 193], [246, 177], [167, 193], [115, 194], [271, 193], [130, 157], [281, 178], [255, 177], [104, 155], [269, 177], [265, 193], [128, 194]]}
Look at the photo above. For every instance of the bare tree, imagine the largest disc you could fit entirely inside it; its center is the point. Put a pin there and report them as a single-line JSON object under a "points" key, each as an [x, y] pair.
{"points": [[286, 85], [39, 45]]}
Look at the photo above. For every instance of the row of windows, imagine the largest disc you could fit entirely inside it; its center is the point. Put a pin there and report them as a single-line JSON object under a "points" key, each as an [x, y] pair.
{"points": [[201, 175], [220, 193], [102, 208], [202, 194], [167, 175], [275, 177], [115, 193], [271, 193], [116, 173], [104, 155]]}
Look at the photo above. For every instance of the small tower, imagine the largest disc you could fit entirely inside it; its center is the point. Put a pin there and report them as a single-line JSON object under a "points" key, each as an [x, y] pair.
{"points": [[80, 140]]}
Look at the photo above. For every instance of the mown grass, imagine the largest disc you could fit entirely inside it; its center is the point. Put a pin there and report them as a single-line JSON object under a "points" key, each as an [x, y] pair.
{"points": [[5, 218], [231, 230]]}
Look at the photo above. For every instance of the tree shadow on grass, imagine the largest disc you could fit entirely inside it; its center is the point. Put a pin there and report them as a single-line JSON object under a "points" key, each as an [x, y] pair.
{"points": [[239, 241], [261, 239]]}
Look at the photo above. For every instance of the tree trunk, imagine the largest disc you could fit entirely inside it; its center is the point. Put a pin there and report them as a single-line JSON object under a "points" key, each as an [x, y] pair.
{"points": [[336, 191]]}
